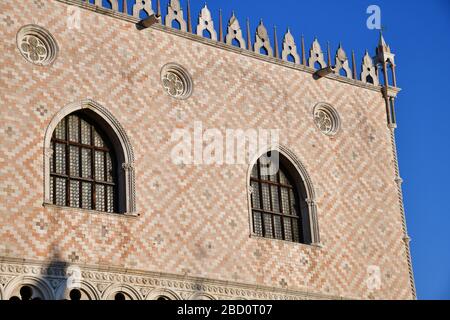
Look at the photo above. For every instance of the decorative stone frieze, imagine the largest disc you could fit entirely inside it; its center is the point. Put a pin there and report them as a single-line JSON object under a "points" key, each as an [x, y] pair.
{"points": [[53, 280]]}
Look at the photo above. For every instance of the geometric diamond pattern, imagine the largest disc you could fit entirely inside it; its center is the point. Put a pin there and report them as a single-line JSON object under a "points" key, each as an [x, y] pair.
{"points": [[195, 219]]}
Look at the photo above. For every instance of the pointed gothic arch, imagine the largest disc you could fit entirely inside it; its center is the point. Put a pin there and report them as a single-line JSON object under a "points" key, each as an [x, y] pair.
{"points": [[118, 138], [303, 186]]}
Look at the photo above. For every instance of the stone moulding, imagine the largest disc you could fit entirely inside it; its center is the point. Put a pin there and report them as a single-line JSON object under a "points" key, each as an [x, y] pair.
{"points": [[101, 282], [12, 287]]}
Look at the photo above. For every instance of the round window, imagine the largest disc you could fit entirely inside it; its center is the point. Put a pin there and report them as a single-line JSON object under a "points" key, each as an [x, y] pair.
{"points": [[176, 81], [36, 45], [326, 119]]}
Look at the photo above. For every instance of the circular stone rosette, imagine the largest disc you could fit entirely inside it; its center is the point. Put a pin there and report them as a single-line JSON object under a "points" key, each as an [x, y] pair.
{"points": [[326, 119], [176, 81], [37, 45]]}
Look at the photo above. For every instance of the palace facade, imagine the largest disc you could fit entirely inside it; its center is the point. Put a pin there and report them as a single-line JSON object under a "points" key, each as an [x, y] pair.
{"points": [[93, 205]]}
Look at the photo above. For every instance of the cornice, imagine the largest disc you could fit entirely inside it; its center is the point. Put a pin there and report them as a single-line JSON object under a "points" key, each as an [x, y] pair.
{"points": [[220, 45], [103, 276]]}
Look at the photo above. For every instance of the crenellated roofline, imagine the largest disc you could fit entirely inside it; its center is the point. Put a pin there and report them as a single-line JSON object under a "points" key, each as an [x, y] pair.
{"points": [[260, 48]]}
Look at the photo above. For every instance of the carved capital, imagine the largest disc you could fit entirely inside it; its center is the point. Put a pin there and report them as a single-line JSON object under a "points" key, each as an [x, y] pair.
{"points": [[392, 126], [128, 166]]}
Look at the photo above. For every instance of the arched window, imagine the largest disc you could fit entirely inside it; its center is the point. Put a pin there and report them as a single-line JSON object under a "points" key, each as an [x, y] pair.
{"points": [[120, 297], [84, 165], [89, 160], [27, 293], [78, 295], [278, 200]]}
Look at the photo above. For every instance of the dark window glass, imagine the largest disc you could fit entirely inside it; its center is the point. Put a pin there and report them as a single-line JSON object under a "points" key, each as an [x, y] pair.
{"points": [[82, 170], [274, 206]]}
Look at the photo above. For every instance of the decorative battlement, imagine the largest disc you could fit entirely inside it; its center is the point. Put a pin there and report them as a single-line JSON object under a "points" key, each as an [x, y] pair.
{"points": [[179, 18]]}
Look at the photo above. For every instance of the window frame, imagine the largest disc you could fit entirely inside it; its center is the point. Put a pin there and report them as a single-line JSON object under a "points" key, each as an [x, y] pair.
{"points": [[296, 237], [92, 179], [305, 195], [119, 139]]}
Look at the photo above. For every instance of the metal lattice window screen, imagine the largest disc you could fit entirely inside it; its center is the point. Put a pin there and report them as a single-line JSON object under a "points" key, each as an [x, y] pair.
{"points": [[82, 171], [275, 211]]}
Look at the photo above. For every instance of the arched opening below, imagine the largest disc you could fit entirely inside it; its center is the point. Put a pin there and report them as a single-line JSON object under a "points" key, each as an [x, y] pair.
{"points": [[176, 24], [236, 43], [206, 34], [120, 297], [27, 293], [107, 4], [390, 75], [291, 58], [75, 295], [79, 295], [342, 72], [264, 51]]}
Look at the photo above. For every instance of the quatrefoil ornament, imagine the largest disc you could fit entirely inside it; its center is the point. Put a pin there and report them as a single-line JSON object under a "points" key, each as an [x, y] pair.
{"points": [[36, 45], [176, 81]]}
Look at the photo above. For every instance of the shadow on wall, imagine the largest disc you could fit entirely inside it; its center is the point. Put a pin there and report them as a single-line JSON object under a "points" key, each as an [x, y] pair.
{"points": [[37, 283], [60, 280]]}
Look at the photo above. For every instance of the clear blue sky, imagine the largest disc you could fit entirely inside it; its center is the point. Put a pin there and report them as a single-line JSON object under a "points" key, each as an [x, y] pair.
{"points": [[419, 35]]}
